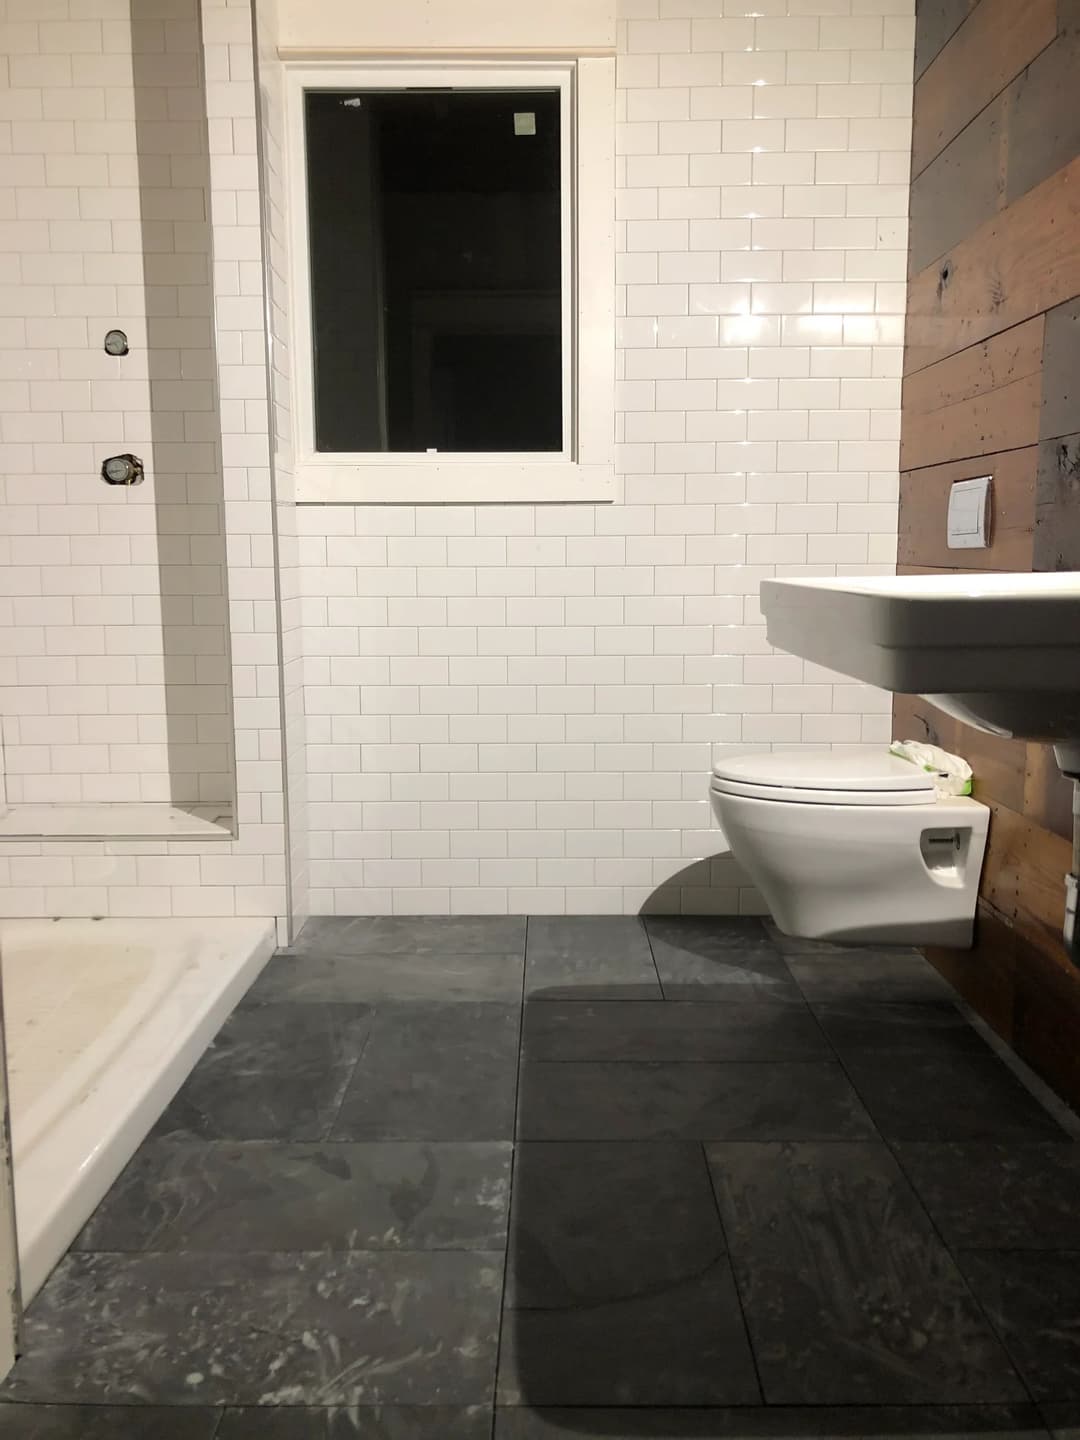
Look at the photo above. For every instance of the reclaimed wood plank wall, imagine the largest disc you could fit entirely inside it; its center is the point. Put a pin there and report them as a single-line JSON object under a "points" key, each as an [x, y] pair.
{"points": [[992, 387]]}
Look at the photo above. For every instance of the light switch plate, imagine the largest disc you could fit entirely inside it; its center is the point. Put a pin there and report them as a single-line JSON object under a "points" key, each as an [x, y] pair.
{"points": [[968, 522]]}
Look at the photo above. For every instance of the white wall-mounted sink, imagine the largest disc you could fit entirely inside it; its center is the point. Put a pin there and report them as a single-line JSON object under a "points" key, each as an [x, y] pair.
{"points": [[1001, 652]]}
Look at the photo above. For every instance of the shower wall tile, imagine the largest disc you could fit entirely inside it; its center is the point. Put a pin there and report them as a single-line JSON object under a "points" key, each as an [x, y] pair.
{"points": [[121, 641], [515, 708]]}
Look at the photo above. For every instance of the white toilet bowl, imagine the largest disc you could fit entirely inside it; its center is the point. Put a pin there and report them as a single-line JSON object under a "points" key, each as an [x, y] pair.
{"points": [[853, 847]]}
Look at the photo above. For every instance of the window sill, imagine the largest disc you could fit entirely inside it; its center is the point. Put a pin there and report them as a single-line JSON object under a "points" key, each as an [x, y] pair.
{"points": [[453, 483]]}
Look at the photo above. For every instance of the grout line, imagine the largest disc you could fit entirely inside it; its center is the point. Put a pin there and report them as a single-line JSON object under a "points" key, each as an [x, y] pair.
{"points": [[734, 1272], [513, 1172], [891, 1147], [1048, 1098]]}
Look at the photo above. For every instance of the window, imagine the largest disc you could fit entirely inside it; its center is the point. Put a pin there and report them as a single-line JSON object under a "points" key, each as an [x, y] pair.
{"points": [[452, 285]]}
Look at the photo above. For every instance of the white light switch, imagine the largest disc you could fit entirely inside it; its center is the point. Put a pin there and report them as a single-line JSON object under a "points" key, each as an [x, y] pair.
{"points": [[969, 514]]}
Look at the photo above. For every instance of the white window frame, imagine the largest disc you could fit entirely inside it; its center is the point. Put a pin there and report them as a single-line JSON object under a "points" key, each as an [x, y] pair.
{"points": [[584, 469]]}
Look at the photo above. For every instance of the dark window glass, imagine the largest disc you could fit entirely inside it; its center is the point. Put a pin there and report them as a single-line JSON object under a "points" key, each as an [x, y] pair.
{"points": [[435, 251]]}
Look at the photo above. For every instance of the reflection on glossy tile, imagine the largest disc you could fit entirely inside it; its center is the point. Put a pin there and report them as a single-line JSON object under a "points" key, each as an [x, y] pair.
{"points": [[264, 1330], [706, 1102], [670, 1030], [434, 1072], [318, 977], [848, 1292], [223, 1197]]}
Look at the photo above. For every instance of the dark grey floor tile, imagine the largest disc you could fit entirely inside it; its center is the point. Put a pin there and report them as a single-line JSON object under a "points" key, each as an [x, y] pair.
{"points": [[585, 936], [294, 1329], [849, 1295], [801, 945], [435, 1072], [583, 957], [1062, 1419], [986, 1196], [600, 1222], [858, 1026], [682, 1345], [413, 935], [948, 1097], [670, 1030], [775, 1422], [723, 975], [1033, 1301], [317, 977], [879, 976], [710, 934], [431, 1422], [587, 1101], [214, 1195], [274, 1072], [106, 1422]]}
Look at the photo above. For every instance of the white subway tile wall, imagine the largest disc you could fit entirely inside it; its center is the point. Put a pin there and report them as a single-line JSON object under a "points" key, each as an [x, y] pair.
{"points": [[70, 130], [516, 708], [112, 614]]}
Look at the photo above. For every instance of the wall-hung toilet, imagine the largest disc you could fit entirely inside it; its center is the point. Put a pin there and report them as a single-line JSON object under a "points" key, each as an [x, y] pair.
{"points": [[854, 847]]}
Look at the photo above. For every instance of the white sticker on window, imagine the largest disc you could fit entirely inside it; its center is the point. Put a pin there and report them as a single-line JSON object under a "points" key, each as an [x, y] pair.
{"points": [[524, 122]]}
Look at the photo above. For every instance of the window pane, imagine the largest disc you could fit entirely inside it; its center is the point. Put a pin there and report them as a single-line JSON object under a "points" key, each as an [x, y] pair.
{"points": [[436, 269]]}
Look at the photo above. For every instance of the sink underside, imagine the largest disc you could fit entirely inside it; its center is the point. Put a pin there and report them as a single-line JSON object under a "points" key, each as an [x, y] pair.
{"points": [[1001, 652]]}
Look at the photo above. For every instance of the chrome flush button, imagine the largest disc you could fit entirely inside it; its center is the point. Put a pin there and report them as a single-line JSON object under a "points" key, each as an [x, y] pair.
{"points": [[116, 343]]}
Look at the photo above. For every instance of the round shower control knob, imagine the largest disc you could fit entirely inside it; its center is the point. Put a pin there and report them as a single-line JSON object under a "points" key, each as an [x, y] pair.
{"points": [[122, 470]]}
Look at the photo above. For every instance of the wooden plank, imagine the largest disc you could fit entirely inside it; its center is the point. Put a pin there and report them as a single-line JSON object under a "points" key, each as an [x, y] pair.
{"points": [[960, 189], [1000, 361], [1057, 505], [999, 420], [1048, 793], [1043, 129], [1024, 261], [989, 49], [998, 764], [924, 501], [935, 23], [1061, 372], [1029, 994], [1024, 874]]}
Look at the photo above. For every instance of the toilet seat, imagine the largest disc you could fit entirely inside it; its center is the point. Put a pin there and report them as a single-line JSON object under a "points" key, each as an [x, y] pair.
{"points": [[825, 777]]}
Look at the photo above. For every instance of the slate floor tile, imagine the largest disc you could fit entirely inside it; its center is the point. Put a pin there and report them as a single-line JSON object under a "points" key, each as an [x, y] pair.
{"points": [[673, 1030], [986, 1196], [296, 1329], [773, 1422], [682, 1345], [226, 1197], [596, 957], [723, 974], [274, 1072], [849, 1296], [412, 935], [918, 1096], [598, 1101], [319, 977], [600, 1222], [1033, 1301], [430, 1422], [1061, 1419], [857, 1026], [710, 934], [434, 1072], [801, 945], [876, 976], [107, 1422]]}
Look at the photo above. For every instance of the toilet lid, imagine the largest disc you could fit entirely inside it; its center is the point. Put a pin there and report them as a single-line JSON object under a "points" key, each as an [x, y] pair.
{"points": [[826, 777]]}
